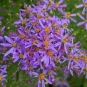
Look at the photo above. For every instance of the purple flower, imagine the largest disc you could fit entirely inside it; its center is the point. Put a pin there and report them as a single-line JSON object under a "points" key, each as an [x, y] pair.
{"points": [[84, 5], [84, 22], [69, 16]]}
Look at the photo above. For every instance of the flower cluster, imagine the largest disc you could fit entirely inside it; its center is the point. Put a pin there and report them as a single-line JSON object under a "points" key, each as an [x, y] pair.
{"points": [[42, 41]]}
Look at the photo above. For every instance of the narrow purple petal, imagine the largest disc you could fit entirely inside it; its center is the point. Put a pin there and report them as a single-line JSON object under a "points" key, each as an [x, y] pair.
{"points": [[9, 51], [8, 39], [79, 6], [81, 23], [6, 44]]}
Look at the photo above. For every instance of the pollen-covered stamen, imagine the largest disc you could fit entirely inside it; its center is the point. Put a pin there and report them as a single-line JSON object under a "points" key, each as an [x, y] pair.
{"points": [[57, 59], [64, 25], [86, 20], [27, 9], [34, 42], [30, 68], [47, 17], [85, 5], [69, 56], [47, 29], [34, 23], [85, 59], [68, 15], [22, 36], [85, 69], [76, 58], [14, 44], [21, 55], [4, 49], [82, 56], [57, 4], [37, 49], [37, 30], [46, 43], [50, 53], [53, 24], [50, 72], [39, 16], [50, 4], [24, 21], [64, 40], [44, 10], [1, 77], [41, 76]]}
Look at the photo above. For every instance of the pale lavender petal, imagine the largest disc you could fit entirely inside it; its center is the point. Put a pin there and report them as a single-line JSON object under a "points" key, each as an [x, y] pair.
{"points": [[79, 6], [8, 39], [17, 22], [83, 11], [71, 72], [61, 1], [41, 24], [6, 45], [73, 19], [81, 17], [86, 26], [3, 28], [43, 84], [81, 23], [9, 51], [1, 38], [48, 81], [73, 14]]}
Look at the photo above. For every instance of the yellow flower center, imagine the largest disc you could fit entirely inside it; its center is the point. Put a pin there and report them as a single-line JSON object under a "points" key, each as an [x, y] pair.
{"points": [[41, 76], [1, 78], [68, 15], [47, 17], [85, 60], [24, 21], [86, 20], [39, 16], [27, 9], [64, 25], [57, 4], [76, 59], [34, 42], [69, 56], [21, 55], [50, 4], [14, 44], [37, 30], [85, 4], [50, 72], [64, 40], [50, 53], [44, 10], [34, 23], [47, 29], [22, 36], [46, 43], [82, 56], [3, 49]]}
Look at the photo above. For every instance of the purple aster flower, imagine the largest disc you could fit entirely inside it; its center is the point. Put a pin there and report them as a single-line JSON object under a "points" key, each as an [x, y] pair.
{"points": [[84, 5], [3, 74], [69, 16], [84, 22], [12, 44], [41, 79]]}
